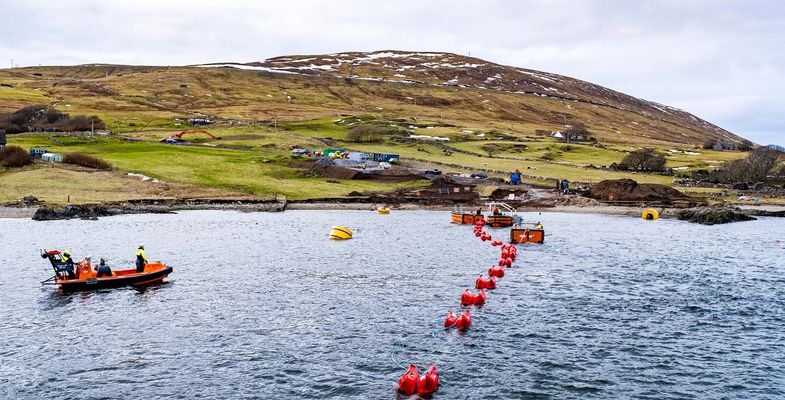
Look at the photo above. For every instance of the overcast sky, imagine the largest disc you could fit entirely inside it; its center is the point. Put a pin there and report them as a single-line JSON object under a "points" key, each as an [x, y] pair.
{"points": [[721, 60]]}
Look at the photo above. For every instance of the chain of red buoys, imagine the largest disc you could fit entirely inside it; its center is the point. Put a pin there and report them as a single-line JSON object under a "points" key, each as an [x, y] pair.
{"points": [[411, 381]]}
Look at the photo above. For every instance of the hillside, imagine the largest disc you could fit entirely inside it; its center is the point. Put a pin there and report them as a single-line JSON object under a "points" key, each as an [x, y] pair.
{"points": [[446, 70], [450, 106], [454, 89]]}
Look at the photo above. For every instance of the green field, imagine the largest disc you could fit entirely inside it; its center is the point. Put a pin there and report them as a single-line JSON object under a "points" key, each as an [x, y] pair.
{"points": [[262, 117], [256, 160]]}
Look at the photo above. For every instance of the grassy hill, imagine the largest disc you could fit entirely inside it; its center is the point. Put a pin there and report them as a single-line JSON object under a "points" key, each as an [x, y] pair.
{"points": [[262, 110]]}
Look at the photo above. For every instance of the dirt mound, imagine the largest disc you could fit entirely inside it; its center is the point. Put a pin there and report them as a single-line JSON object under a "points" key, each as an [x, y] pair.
{"points": [[629, 190], [332, 171], [504, 193]]}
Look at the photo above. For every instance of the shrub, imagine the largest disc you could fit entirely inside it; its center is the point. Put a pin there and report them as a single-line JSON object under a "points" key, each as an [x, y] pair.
{"points": [[47, 118], [759, 164], [745, 145], [643, 160], [370, 133], [577, 133], [86, 161], [14, 157], [491, 149]]}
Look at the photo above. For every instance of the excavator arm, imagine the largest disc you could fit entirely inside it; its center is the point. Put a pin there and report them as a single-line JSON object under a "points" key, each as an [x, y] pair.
{"points": [[178, 137]]}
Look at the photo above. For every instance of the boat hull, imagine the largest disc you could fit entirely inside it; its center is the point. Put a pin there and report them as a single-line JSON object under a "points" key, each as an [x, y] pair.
{"points": [[470, 219], [527, 235], [120, 280], [499, 221]]}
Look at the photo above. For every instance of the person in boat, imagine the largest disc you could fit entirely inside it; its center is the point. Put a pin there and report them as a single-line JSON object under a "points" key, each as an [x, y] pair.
{"points": [[68, 263], [141, 260], [497, 211], [103, 269], [538, 226], [479, 211]]}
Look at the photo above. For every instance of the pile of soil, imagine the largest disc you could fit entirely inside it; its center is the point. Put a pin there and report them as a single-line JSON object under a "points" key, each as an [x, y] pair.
{"points": [[395, 174], [503, 193], [629, 190], [332, 171]]}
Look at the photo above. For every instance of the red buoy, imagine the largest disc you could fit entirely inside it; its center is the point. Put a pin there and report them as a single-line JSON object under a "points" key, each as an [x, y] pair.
{"points": [[407, 383], [496, 271], [505, 254], [464, 321], [501, 262], [480, 282], [479, 298], [490, 283], [467, 298], [508, 262], [429, 381], [450, 320], [496, 243]]}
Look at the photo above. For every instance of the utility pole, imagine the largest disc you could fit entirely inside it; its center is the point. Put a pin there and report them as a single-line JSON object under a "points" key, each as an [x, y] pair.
{"points": [[12, 63]]}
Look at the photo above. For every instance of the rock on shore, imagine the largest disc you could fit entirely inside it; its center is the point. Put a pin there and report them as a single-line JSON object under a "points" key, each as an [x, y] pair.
{"points": [[713, 215], [84, 211], [93, 211]]}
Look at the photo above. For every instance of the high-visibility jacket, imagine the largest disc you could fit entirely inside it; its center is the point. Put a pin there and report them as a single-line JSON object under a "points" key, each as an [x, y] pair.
{"points": [[140, 256]]}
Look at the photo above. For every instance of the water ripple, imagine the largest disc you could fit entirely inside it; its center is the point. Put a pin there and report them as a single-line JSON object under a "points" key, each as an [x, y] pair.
{"points": [[264, 306]]}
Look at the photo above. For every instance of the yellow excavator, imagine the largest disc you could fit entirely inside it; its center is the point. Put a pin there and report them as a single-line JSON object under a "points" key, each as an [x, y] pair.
{"points": [[178, 137]]}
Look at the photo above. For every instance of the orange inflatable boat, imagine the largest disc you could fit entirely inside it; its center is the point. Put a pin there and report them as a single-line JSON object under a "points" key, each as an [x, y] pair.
{"points": [[84, 277]]}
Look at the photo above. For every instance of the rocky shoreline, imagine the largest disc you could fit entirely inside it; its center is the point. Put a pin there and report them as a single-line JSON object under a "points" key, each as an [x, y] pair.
{"points": [[714, 215], [702, 215], [94, 211]]}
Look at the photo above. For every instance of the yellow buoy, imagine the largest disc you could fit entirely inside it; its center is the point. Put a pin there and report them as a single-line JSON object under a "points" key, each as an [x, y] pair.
{"points": [[340, 233], [382, 210], [650, 215]]}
